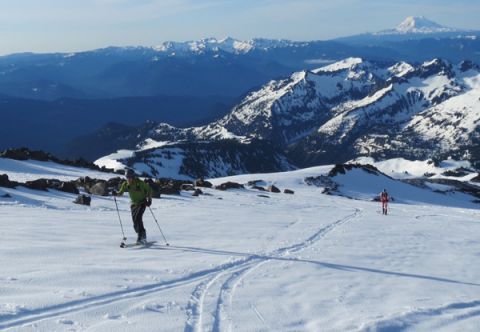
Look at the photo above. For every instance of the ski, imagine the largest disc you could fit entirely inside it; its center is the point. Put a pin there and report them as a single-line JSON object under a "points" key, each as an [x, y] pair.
{"points": [[139, 245]]}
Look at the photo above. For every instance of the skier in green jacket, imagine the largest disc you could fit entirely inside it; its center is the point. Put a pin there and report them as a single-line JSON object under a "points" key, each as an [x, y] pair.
{"points": [[140, 197]]}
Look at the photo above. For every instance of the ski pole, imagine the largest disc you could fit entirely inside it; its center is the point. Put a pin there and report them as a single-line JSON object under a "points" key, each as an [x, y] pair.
{"points": [[158, 226], [122, 244]]}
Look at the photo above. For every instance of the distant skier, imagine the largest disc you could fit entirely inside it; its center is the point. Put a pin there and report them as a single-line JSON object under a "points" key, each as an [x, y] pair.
{"points": [[140, 197], [384, 198]]}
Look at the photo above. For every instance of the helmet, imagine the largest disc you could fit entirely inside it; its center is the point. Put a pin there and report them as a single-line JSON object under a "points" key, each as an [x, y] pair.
{"points": [[130, 174]]}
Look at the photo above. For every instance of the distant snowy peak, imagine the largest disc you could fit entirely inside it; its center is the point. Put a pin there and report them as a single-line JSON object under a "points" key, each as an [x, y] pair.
{"points": [[401, 69], [229, 45], [420, 25], [209, 44], [348, 63], [417, 25]]}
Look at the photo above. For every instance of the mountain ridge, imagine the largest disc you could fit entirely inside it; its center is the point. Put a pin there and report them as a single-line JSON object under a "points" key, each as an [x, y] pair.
{"points": [[349, 109]]}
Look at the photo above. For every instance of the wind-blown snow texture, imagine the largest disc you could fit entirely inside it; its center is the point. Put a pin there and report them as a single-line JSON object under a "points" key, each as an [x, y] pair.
{"points": [[241, 262]]}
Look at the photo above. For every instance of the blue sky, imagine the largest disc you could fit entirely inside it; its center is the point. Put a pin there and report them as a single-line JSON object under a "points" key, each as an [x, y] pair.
{"points": [[72, 25]]}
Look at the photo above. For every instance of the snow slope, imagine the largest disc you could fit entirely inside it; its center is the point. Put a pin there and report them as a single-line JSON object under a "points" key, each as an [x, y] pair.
{"points": [[400, 168], [29, 170], [237, 261]]}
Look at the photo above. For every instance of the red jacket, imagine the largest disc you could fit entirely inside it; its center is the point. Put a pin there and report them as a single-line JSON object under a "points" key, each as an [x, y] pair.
{"points": [[384, 197]]}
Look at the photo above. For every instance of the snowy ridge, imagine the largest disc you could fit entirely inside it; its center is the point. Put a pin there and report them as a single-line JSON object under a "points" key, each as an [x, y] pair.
{"points": [[340, 65], [353, 106], [401, 69], [436, 123], [229, 45]]}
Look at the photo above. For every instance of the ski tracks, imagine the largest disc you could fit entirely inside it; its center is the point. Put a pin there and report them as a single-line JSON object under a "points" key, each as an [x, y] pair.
{"points": [[430, 318], [221, 280], [214, 313], [58, 310]]}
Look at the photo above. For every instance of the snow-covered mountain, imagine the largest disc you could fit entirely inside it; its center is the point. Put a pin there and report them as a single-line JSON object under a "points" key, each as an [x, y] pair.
{"points": [[402, 117], [418, 25], [199, 81], [228, 44], [349, 109], [414, 32]]}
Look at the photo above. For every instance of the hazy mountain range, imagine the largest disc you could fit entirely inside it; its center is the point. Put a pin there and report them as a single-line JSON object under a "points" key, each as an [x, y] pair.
{"points": [[193, 83]]}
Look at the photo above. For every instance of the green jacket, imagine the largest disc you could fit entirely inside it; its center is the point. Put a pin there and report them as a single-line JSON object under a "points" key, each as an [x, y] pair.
{"points": [[139, 191]]}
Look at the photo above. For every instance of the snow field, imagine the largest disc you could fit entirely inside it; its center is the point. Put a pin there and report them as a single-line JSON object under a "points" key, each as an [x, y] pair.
{"points": [[239, 262]]}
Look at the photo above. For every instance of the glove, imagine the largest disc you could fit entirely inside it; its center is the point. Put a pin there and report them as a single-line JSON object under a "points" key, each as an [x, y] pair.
{"points": [[148, 202]]}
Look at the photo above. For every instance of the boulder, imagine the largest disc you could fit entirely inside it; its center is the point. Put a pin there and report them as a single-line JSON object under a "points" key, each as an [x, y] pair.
{"points": [[343, 168], [187, 187], [100, 189], [197, 192], [230, 185], [259, 188], [171, 186], [115, 183], [86, 182], [83, 200], [273, 189], [166, 190], [202, 183], [40, 156], [24, 154], [68, 187], [288, 191], [40, 184], [5, 182], [17, 154]]}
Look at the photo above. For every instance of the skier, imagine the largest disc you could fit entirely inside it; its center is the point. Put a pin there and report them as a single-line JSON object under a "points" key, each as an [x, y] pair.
{"points": [[140, 197], [384, 199]]}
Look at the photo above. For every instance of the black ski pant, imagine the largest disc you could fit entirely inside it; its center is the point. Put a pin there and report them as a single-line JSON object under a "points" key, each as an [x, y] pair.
{"points": [[137, 217]]}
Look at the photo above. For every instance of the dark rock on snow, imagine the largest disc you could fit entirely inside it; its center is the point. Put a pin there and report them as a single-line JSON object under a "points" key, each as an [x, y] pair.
{"points": [[197, 192], [259, 188], [273, 189], [187, 187], [229, 185], [5, 182], [203, 183], [343, 168], [83, 200], [40, 184], [100, 189]]}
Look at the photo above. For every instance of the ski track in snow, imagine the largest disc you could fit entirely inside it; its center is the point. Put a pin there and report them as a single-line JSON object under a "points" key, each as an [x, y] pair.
{"points": [[430, 318], [233, 272], [208, 293], [227, 280]]}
